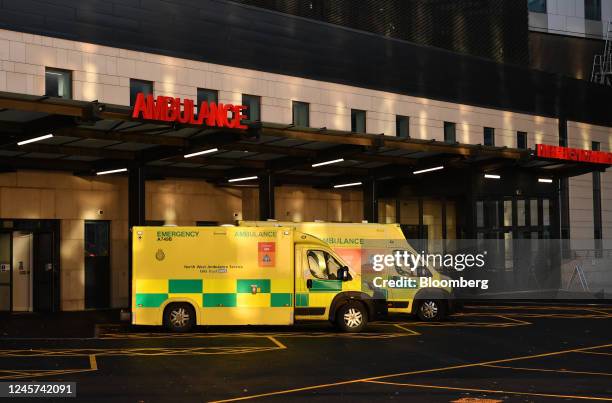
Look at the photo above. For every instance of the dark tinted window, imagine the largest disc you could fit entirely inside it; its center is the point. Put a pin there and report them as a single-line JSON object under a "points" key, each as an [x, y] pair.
{"points": [[489, 136], [136, 86], [521, 140], [537, 6], [449, 132], [358, 121], [402, 126], [58, 83], [207, 95], [97, 238], [592, 10], [253, 104], [301, 114]]}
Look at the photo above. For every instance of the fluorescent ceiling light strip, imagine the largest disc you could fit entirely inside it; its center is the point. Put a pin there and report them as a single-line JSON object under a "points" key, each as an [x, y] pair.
{"points": [[46, 136], [544, 180], [422, 171], [347, 185], [212, 150], [491, 176], [113, 171], [247, 178], [320, 164]]}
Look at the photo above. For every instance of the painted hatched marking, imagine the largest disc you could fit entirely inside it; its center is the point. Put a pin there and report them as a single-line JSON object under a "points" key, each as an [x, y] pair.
{"points": [[281, 300], [219, 300], [246, 285], [185, 286], [326, 285], [301, 299]]}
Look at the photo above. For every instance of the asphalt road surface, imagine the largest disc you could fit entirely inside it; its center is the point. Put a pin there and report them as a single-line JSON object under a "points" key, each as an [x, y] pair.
{"points": [[484, 354]]}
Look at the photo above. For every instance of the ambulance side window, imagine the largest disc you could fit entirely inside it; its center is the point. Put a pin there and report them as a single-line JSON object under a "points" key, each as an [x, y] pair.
{"points": [[316, 265], [321, 265]]}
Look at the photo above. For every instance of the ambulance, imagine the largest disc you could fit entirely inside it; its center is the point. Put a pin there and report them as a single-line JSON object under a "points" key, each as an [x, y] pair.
{"points": [[350, 241], [227, 275]]}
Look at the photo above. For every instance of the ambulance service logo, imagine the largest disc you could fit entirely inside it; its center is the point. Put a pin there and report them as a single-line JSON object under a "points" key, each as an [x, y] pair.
{"points": [[160, 255], [266, 252]]}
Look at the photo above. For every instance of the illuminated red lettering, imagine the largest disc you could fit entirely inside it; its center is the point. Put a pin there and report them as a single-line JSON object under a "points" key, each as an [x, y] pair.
{"points": [[173, 109], [573, 154]]}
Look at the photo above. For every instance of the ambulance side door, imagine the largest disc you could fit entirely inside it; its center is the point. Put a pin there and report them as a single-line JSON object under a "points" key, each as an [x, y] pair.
{"points": [[316, 281]]}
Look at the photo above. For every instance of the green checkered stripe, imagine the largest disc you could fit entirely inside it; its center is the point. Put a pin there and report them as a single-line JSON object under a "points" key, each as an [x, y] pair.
{"points": [[214, 300], [318, 286]]}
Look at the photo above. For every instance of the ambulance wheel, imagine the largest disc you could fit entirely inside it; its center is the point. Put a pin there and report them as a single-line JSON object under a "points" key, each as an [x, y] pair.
{"points": [[179, 317], [352, 317], [431, 310]]}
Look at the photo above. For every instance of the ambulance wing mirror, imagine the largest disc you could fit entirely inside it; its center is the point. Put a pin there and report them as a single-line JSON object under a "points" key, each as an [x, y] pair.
{"points": [[309, 283], [344, 274], [423, 271]]}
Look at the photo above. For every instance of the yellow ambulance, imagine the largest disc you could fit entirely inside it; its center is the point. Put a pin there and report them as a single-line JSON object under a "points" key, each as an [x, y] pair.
{"points": [[266, 275], [349, 241]]}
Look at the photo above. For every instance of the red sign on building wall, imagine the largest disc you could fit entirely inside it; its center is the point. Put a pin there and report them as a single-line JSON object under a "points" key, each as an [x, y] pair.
{"points": [[170, 109], [573, 154]]}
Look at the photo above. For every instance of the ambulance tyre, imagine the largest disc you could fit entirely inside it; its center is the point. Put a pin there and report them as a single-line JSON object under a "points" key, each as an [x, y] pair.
{"points": [[179, 317], [352, 317], [431, 310]]}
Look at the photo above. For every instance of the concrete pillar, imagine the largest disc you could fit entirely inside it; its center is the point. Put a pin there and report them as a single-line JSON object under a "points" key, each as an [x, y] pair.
{"points": [[136, 212], [370, 200], [266, 196]]}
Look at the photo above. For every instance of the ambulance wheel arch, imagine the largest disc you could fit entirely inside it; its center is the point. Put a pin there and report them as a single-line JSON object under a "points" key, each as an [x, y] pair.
{"points": [[431, 304], [180, 310], [349, 297]]}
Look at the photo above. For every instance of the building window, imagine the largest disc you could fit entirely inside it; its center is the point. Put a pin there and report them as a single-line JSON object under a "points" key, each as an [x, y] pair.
{"points": [[489, 136], [521, 140], [449, 132], [58, 83], [402, 126], [301, 114], [136, 86], [537, 6], [358, 121], [253, 104], [592, 10], [208, 96]]}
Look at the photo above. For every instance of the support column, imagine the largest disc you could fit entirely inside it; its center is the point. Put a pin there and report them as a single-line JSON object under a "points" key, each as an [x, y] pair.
{"points": [[564, 185], [370, 200], [136, 213], [266, 196]]}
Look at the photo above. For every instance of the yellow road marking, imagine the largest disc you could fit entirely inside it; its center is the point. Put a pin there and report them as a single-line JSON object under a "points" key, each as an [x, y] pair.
{"points": [[423, 371], [562, 371], [144, 351], [593, 352], [116, 336], [522, 322], [543, 307], [600, 312], [18, 374], [93, 363], [416, 385], [278, 343], [412, 332]]}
